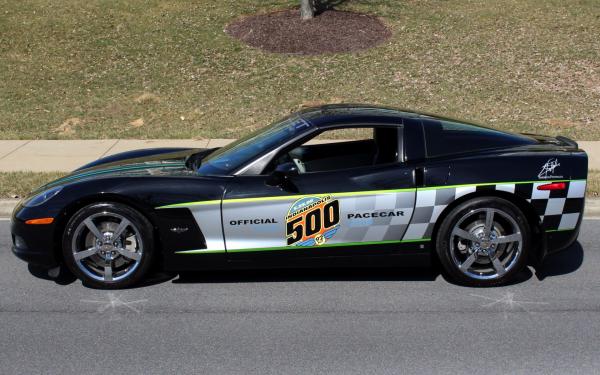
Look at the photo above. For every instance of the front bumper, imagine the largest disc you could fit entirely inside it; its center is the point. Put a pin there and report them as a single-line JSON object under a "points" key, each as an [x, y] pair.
{"points": [[38, 258], [33, 243]]}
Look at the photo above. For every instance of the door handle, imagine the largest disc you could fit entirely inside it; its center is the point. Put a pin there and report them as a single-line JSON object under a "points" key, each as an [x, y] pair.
{"points": [[420, 176]]}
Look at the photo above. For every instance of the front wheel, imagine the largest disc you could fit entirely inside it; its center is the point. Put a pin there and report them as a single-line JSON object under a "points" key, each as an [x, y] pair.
{"points": [[484, 242], [108, 245]]}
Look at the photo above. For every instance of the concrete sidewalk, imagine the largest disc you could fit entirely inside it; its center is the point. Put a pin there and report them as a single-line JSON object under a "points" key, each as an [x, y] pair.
{"points": [[64, 156]]}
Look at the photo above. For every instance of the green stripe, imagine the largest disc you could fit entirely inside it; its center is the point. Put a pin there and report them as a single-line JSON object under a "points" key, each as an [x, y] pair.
{"points": [[189, 204], [284, 197], [353, 193], [558, 230], [366, 243], [200, 251], [118, 169]]}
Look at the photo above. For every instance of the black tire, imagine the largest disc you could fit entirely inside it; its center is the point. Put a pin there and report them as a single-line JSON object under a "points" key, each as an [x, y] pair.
{"points": [[85, 268], [450, 248]]}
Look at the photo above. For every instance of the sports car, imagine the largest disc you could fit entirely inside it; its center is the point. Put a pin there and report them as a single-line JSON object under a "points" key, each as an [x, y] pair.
{"points": [[334, 186]]}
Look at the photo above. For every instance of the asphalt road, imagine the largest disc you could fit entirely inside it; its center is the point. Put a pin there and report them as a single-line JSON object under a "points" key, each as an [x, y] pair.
{"points": [[327, 321]]}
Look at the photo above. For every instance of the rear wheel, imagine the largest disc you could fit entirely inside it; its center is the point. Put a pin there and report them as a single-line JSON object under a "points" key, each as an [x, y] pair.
{"points": [[108, 245], [484, 242]]}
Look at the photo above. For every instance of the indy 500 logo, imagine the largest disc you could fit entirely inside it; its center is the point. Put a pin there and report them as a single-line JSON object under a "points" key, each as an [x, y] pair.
{"points": [[312, 221]]}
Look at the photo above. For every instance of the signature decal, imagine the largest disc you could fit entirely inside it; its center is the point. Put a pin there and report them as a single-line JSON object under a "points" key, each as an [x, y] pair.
{"points": [[312, 220], [548, 169]]}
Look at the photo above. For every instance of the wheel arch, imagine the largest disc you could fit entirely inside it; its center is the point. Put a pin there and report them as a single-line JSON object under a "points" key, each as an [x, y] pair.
{"points": [[71, 209], [522, 204]]}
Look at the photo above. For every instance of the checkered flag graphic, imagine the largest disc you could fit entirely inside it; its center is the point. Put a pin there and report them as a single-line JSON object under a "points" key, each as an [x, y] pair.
{"points": [[557, 209]]}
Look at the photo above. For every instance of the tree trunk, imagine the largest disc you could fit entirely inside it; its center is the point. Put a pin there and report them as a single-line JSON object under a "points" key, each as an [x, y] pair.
{"points": [[307, 9]]}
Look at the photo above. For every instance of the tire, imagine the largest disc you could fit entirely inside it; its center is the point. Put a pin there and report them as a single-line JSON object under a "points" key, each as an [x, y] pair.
{"points": [[98, 255], [474, 252]]}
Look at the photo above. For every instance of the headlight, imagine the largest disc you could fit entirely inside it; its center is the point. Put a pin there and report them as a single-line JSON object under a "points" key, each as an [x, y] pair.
{"points": [[42, 197]]}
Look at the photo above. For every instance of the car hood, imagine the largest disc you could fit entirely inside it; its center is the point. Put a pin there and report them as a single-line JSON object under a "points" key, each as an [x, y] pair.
{"points": [[150, 162]]}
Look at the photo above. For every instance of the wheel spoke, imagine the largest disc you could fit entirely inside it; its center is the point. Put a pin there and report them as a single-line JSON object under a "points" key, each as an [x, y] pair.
{"points": [[468, 262], [487, 233], [85, 253], [498, 266], [92, 227], [516, 237], [122, 226], [464, 234], [129, 254], [108, 271], [489, 221], [108, 235]]}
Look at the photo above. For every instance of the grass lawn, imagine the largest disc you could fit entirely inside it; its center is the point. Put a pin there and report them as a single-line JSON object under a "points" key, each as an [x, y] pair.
{"points": [[18, 184], [593, 188], [166, 69]]}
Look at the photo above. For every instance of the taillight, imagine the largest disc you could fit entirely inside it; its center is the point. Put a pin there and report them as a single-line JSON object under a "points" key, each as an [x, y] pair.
{"points": [[553, 186]]}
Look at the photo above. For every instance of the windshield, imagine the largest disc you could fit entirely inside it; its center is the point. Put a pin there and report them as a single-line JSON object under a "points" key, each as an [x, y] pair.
{"points": [[233, 156]]}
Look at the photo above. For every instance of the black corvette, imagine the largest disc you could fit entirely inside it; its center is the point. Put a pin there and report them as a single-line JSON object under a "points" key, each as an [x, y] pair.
{"points": [[339, 185]]}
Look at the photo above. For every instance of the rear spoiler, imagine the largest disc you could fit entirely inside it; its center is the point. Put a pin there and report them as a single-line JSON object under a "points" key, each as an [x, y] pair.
{"points": [[558, 140], [567, 141]]}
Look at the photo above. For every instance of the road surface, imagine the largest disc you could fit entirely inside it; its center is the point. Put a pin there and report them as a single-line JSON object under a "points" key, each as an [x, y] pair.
{"points": [[305, 321]]}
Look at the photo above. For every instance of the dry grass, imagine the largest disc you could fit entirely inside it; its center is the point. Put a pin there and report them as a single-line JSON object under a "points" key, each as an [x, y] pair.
{"points": [[593, 187], [19, 184], [521, 65]]}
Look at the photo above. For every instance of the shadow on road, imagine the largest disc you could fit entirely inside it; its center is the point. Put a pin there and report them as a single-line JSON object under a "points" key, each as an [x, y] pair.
{"points": [[564, 262], [561, 263], [63, 277], [304, 275]]}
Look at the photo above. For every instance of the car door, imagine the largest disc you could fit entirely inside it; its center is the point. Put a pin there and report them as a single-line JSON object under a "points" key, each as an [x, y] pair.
{"points": [[361, 210]]}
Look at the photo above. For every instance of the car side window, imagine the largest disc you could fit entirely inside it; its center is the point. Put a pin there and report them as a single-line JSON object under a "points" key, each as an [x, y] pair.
{"points": [[344, 148], [448, 137]]}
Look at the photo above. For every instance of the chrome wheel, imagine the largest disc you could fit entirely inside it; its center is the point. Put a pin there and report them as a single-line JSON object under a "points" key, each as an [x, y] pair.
{"points": [[107, 247], [486, 243]]}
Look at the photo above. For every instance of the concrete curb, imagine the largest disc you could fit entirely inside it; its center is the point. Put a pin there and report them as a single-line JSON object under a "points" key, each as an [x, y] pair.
{"points": [[63, 156], [592, 207], [7, 206]]}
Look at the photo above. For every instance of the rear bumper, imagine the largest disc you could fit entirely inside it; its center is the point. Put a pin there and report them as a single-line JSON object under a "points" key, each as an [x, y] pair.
{"points": [[560, 240], [557, 240]]}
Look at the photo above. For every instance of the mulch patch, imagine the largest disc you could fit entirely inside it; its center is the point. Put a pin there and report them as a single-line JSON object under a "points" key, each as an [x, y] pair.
{"points": [[330, 32]]}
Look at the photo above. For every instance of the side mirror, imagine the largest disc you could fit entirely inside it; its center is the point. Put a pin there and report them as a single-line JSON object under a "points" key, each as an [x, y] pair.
{"points": [[280, 176], [286, 169]]}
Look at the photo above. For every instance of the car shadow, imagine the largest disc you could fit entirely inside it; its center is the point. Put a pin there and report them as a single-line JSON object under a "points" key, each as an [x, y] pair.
{"points": [[308, 275], [65, 277], [561, 263], [564, 262]]}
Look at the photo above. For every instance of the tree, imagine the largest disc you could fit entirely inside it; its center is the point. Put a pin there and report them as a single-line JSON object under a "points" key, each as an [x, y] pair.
{"points": [[307, 9]]}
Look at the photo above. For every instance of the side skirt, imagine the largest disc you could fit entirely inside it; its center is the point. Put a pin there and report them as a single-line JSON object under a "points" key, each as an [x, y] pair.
{"points": [[414, 254]]}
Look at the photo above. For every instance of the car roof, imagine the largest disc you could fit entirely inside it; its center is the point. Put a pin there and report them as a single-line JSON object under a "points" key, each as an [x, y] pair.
{"points": [[340, 113]]}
